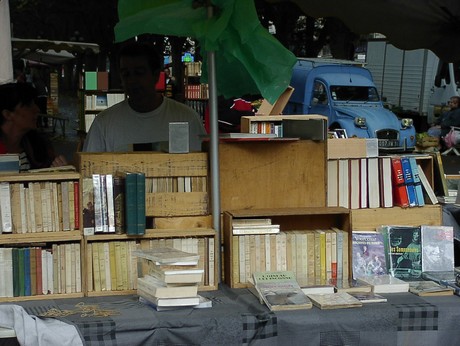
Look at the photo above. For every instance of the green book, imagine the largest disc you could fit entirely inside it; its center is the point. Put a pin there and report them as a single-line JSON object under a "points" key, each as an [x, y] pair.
{"points": [[21, 273], [15, 255], [140, 195], [91, 80], [131, 203]]}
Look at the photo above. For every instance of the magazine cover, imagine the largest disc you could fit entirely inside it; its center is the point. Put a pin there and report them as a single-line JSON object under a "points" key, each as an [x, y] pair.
{"points": [[368, 254], [405, 253]]}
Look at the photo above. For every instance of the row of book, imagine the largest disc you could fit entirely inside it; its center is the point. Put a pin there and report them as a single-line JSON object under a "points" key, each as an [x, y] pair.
{"points": [[405, 252], [377, 182], [114, 203], [176, 184], [44, 206], [267, 127], [198, 91], [111, 266], [34, 271], [315, 257]]}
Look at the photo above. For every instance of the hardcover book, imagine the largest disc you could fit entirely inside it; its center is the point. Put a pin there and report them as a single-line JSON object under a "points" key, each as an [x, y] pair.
{"points": [[351, 285], [409, 181], [338, 300], [437, 248], [368, 254], [280, 290], [417, 182], [399, 189], [429, 288], [405, 252]]}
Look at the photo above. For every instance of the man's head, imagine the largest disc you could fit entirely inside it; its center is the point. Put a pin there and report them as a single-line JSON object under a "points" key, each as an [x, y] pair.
{"points": [[140, 66], [454, 102]]}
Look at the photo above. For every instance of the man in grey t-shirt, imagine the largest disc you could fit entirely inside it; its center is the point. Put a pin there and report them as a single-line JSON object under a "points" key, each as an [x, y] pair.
{"points": [[144, 116]]}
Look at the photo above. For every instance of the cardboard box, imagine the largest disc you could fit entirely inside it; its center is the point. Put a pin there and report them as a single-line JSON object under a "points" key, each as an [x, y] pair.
{"points": [[350, 148], [266, 108]]}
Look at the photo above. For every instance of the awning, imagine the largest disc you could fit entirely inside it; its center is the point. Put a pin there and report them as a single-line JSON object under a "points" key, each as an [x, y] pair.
{"points": [[50, 52]]}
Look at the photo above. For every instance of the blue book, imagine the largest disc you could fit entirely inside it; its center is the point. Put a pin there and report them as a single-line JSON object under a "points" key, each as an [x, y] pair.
{"points": [[409, 181], [417, 182]]}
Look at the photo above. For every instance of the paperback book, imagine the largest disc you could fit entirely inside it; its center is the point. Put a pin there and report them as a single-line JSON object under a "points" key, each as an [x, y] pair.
{"points": [[280, 290], [203, 303], [369, 297], [429, 288], [351, 285], [368, 254], [338, 300], [167, 255], [386, 284]]}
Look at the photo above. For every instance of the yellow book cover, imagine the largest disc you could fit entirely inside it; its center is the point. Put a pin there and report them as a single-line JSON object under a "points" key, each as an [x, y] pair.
{"points": [[301, 273], [77, 267], [71, 205], [328, 255], [33, 271], [96, 268], [124, 264], [89, 267], [68, 267], [267, 253], [108, 277], [310, 257], [317, 258], [56, 269], [211, 261], [252, 255], [16, 208], [113, 266], [119, 273], [103, 274]]}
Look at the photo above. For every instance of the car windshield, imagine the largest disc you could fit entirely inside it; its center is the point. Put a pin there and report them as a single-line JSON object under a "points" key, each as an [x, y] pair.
{"points": [[354, 93]]}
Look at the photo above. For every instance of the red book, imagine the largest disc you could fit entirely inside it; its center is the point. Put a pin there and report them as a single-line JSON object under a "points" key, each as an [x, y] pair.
{"points": [[38, 257], [400, 197], [76, 191]]}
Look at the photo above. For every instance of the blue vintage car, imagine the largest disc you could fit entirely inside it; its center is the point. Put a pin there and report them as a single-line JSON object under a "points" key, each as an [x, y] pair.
{"points": [[346, 94]]}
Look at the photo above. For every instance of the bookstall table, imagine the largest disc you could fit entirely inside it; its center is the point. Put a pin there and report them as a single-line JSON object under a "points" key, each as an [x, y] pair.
{"points": [[237, 317]]}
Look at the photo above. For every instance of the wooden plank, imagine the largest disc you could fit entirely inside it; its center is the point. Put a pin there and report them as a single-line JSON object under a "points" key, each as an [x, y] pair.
{"points": [[201, 221], [176, 204], [370, 219], [153, 164]]}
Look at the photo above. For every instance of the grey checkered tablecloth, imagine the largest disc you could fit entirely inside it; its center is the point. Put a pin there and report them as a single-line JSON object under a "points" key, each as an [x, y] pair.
{"points": [[238, 318]]}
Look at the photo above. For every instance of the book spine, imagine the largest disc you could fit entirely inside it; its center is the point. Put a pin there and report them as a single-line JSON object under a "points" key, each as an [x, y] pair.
{"points": [[119, 204], [140, 196], [5, 208], [131, 203], [409, 181], [77, 204], [399, 189], [417, 182]]}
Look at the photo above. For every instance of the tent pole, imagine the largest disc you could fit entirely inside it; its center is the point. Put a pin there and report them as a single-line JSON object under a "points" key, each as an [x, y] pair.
{"points": [[214, 154]]}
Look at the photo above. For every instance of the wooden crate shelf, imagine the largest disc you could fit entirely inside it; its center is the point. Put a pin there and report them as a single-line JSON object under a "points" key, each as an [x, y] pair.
{"points": [[290, 219]]}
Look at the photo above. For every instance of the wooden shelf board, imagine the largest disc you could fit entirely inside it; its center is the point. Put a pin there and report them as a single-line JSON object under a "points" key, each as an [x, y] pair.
{"points": [[42, 297], [40, 237]]}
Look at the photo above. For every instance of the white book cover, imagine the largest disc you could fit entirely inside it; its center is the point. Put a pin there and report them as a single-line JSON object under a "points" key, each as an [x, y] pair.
{"points": [[110, 203], [343, 186], [373, 182], [5, 208], [355, 183], [332, 183], [44, 271], [386, 283], [437, 248], [363, 188]]}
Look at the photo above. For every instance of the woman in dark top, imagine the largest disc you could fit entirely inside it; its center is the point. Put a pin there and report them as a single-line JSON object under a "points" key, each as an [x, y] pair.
{"points": [[18, 123]]}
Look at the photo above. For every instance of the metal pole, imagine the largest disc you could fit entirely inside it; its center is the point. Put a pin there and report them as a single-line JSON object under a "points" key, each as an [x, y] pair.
{"points": [[214, 153]]}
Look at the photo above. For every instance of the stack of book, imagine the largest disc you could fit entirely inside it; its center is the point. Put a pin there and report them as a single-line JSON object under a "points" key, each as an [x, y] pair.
{"points": [[171, 280]]}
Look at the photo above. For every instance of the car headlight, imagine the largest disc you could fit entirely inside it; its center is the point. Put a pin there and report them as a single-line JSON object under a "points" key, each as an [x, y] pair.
{"points": [[406, 122], [360, 121]]}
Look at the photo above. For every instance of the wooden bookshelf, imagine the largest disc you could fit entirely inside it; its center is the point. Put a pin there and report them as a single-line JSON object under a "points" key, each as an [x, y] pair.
{"points": [[171, 213], [45, 233]]}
